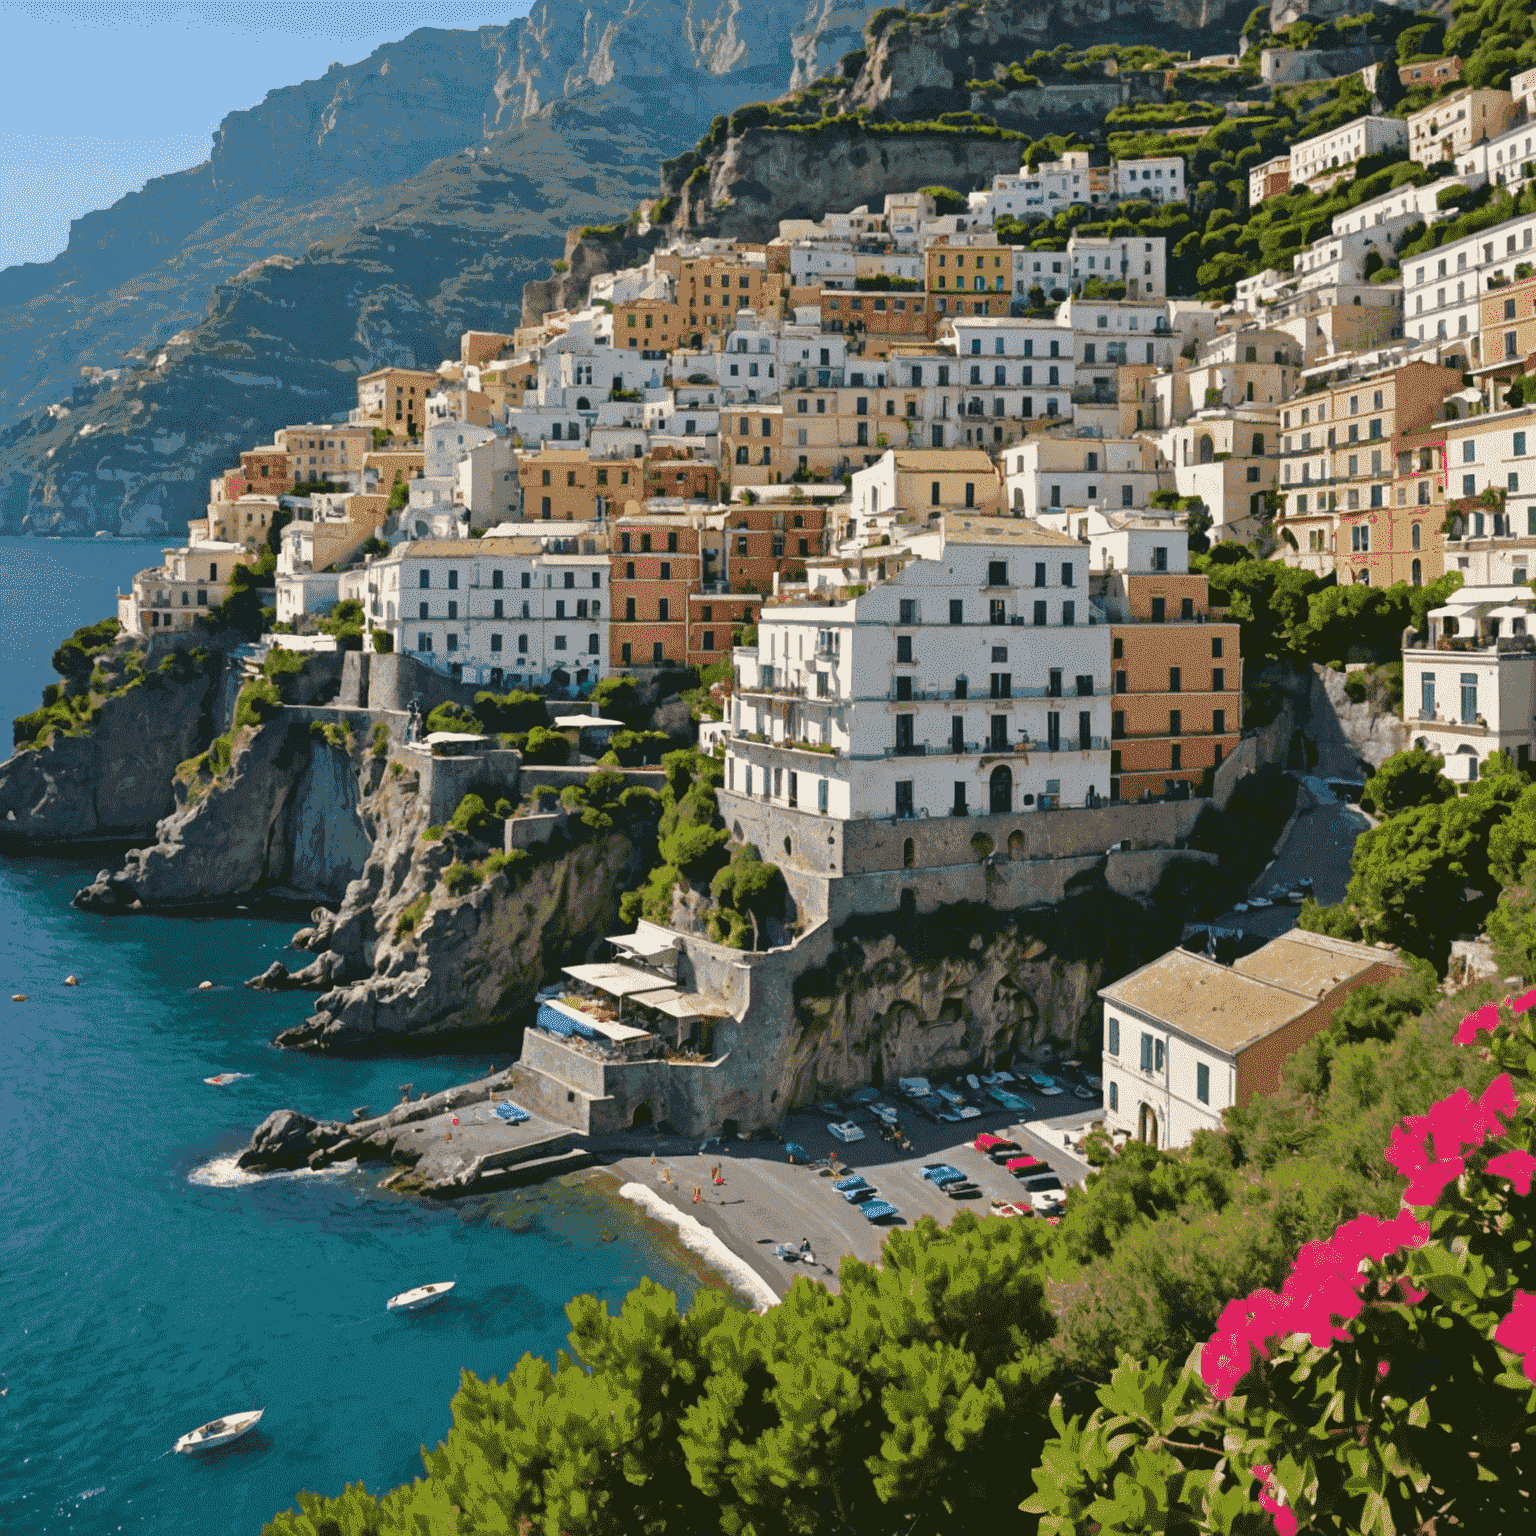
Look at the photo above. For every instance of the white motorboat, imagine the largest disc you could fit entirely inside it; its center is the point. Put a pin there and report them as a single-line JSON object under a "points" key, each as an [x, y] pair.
{"points": [[422, 1296], [220, 1431]]}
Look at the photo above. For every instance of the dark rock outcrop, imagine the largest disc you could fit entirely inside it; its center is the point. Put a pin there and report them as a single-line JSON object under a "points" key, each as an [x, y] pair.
{"points": [[286, 1140]]}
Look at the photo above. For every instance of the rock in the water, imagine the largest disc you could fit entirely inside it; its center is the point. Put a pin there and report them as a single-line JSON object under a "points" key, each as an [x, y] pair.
{"points": [[286, 1140], [274, 979], [360, 1112]]}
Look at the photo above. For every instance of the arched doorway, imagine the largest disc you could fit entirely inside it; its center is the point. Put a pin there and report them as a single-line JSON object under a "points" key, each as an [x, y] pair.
{"points": [[641, 1118], [1207, 449], [1001, 788], [1146, 1125]]}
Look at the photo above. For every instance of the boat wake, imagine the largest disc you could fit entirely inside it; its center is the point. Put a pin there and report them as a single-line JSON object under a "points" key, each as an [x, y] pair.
{"points": [[226, 1173]]}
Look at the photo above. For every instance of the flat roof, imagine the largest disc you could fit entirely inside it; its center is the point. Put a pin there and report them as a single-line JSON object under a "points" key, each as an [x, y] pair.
{"points": [[617, 980], [1312, 964], [994, 528], [942, 458]]}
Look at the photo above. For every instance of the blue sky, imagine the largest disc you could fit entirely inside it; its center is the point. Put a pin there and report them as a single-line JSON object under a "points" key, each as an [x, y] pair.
{"points": [[101, 95]]}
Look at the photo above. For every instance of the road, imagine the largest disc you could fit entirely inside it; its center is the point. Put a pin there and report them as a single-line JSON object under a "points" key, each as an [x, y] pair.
{"points": [[1319, 841]]}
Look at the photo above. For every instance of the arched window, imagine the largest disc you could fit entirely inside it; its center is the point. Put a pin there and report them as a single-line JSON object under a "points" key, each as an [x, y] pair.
{"points": [[1207, 449], [908, 854], [742, 456], [1415, 537], [582, 403], [1418, 574]]}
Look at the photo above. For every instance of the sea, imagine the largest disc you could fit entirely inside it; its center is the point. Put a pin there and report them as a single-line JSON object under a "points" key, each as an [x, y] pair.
{"points": [[146, 1286]]}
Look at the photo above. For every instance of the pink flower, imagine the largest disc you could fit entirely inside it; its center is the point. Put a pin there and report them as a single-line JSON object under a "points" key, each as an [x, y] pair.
{"points": [[1499, 1099], [1486, 1018], [1516, 1166], [1411, 1295], [1526, 1003], [1427, 1185], [1382, 1367], [1270, 1495], [1518, 1331], [1245, 1326]]}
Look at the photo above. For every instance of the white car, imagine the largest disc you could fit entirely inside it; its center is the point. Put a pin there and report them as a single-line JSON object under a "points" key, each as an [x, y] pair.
{"points": [[968, 1112], [1046, 1193], [846, 1131]]}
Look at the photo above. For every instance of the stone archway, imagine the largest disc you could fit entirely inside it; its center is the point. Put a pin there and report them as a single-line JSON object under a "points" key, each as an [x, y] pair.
{"points": [[1146, 1125], [642, 1117]]}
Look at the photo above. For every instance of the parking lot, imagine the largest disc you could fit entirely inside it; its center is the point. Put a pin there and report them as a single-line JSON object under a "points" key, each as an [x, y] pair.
{"points": [[767, 1200]]}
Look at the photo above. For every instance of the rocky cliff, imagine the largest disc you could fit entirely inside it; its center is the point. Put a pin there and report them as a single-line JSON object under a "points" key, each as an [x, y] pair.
{"points": [[101, 766], [361, 219], [282, 817], [440, 935]]}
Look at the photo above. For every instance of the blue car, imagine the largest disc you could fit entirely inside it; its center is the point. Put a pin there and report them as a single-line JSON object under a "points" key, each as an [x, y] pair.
{"points": [[878, 1210], [858, 1196], [852, 1181], [942, 1174]]}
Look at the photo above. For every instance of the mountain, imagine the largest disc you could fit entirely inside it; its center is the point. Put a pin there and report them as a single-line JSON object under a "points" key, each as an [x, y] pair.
{"points": [[414, 190]]}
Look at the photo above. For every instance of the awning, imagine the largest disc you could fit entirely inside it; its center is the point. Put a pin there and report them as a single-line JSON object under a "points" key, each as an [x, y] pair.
{"points": [[642, 946], [618, 1033], [586, 722], [616, 980], [684, 1005]]}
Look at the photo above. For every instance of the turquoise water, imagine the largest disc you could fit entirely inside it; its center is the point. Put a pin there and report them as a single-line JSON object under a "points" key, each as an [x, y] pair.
{"points": [[143, 1288]]}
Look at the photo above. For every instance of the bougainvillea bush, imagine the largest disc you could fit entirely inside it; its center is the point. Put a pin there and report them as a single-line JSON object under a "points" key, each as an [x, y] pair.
{"points": [[1388, 1386]]}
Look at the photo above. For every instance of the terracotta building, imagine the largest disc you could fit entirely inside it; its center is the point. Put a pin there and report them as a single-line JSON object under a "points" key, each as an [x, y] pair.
{"points": [[1177, 680], [571, 485], [676, 472], [655, 563]]}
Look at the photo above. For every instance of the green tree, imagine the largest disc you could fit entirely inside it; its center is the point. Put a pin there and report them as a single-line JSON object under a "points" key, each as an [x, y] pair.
{"points": [[1406, 779], [748, 892]]}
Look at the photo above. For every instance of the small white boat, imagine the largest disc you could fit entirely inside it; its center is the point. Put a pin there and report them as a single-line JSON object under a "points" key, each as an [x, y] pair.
{"points": [[422, 1296], [220, 1431]]}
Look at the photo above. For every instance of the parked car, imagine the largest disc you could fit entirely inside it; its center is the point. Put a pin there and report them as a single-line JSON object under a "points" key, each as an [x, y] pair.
{"points": [[1009, 1101], [939, 1173], [950, 1096], [878, 1210], [862, 1096], [913, 1087], [846, 1131], [929, 1107], [830, 1108], [1046, 1193], [1037, 1077], [1093, 1080], [1083, 1091], [997, 1079], [1050, 1087], [858, 1196], [884, 1111], [963, 1190], [852, 1181], [968, 1112]]}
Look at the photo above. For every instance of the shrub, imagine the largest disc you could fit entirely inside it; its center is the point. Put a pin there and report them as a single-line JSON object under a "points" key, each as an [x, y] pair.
{"points": [[383, 642], [499, 863], [258, 703], [345, 622], [460, 877], [473, 817], [412, 915], [547, 746], [380, 739], [432, 834]]}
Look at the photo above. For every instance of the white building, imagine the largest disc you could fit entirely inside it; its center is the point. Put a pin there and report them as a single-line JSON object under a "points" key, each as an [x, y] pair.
{"points": [[1011, 368], [1441, 288], [1159, 178], [1186, 1038], [1141, 264], [972, 679], [1316, 157], [1448, 128], [1478, 695], [1507, 160], [502, 611], [1045, 474]]}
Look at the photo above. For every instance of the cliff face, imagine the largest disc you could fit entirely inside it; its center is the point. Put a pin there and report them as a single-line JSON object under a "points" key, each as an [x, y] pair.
{"points": [[408, 958], [361, 219], [282, 818], [113, 779]]}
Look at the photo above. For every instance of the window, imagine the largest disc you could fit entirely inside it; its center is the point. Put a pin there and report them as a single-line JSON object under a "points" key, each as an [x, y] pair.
{"points": [[1146, 1052], [1157, 1055], [904, 650], [1469, 698], [956, 611], [1040, 613], [1114, 1095], [424, 579], [1203, 1082], [1175, 675]]}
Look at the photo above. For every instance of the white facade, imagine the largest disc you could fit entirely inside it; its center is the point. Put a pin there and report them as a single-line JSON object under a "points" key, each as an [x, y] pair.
{"points": [[1046, 474], [1507, 160], [1141, 264], [1466, 703], [1324, 152], [974, 679], [498, 611], [487, 482], [1441, 288], [1159, 178], [1012, 367], [446, 443]]}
